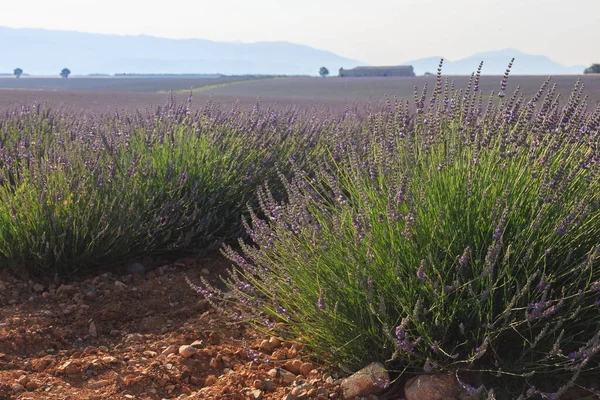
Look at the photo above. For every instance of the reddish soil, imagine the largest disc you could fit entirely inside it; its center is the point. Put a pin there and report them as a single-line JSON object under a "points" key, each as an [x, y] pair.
{"points": [[114, 336]]}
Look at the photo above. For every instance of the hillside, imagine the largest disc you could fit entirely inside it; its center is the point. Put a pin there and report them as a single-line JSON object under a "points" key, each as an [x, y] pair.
{"points": [[494, 63], [46, 52]]}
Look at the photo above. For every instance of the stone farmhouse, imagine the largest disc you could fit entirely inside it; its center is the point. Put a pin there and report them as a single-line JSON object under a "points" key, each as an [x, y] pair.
{"points": [[401, 70]]}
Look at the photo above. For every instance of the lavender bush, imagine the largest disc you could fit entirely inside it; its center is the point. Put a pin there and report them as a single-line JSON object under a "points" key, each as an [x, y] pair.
{"points": [[79, 190], [463, 236]]}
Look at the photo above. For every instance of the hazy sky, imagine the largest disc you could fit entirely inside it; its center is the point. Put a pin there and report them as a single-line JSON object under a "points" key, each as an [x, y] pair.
{"points": [[372, 31]]}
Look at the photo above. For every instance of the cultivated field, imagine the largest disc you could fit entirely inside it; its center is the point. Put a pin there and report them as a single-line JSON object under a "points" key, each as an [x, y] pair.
{"points": [[104, 94], [101, 102], [373, 89], [113, 84], [450, 240]]}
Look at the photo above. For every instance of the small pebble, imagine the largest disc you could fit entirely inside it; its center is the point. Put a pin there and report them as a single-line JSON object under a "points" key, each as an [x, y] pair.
{"points": [[18, 388], [186, 351], [92, 329]]}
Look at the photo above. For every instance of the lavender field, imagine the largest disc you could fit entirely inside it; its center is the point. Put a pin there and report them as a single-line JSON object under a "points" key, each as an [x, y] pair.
{"points": [[374, 89], [109, 94], [114, 84], [439, 229]]}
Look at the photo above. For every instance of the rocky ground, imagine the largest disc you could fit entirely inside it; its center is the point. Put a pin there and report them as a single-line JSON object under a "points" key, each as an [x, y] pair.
{"points": [[141, 334]]}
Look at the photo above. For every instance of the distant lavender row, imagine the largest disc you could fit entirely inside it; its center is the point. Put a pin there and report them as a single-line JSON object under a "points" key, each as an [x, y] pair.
{"points": [[291, 90], [462, 237], [113, 84], [101, 94]]}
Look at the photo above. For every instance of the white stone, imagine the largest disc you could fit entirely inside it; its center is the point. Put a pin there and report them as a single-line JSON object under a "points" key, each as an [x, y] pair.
{"points": [[372, 379]]}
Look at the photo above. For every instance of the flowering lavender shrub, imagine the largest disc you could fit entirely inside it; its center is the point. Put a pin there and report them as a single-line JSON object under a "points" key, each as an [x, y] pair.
{"points": [[79, 190], [463, 236]]}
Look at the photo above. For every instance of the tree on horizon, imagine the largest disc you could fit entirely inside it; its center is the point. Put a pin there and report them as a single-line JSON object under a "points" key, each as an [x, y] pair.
{"points": [[594, 69], [65, 73], [323, 72], [18, 72]]}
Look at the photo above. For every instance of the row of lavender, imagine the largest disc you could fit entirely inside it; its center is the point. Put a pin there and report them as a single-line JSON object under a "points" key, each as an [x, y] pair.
{"points": [[80, 190], [462, 237]]}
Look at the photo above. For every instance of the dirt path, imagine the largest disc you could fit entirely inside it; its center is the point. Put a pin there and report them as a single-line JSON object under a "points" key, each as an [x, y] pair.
{"points": [[121, 336]]}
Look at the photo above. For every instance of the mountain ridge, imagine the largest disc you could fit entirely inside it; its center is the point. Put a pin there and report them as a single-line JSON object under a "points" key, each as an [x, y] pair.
{"points": [[43, 52], [495, 63], [46, 52]]}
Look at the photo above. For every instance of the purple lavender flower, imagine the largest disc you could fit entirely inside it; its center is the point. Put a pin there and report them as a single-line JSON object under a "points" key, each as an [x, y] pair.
{"points": [[382, 383], [531, 392], [543, 285], [497, 234], [542, 309], [321, 302], [470, 390], [283, 312], [421, 272], [403, 341], [466, 256]]}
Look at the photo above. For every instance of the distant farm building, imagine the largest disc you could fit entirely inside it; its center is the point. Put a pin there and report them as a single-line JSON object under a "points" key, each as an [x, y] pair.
{"points": [[402, 70]]}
